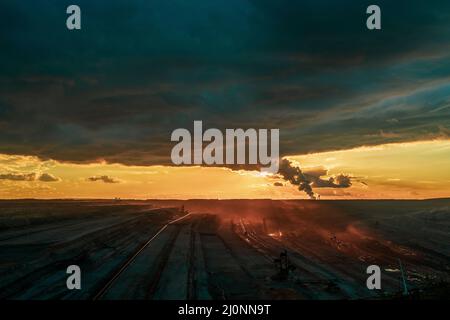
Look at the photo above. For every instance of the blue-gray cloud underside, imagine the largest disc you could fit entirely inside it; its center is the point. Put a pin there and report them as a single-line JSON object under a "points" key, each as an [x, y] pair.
{"points": [[139, 69]]}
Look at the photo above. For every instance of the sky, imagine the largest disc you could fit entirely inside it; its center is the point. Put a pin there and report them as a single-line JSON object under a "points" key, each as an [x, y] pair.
{"points": [[89, 113]]}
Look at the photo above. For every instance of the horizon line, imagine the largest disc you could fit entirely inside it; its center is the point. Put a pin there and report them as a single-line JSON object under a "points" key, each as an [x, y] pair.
{"points": [[219, 199]]}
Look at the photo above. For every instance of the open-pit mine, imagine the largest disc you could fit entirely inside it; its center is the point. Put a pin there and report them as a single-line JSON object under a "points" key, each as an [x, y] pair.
{"points": [[224, 249]]}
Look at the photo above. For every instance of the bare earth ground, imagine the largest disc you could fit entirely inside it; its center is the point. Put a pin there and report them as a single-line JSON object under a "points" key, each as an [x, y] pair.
{"points": [[223, 249]]}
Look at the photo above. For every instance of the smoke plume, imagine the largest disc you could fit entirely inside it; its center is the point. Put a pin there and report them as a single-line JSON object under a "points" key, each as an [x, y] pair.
{"points": [[296, 177], [311, 178]]}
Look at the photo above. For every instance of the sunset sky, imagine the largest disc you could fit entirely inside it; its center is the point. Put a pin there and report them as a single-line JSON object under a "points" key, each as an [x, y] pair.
{"points": [[89, 113], [401, 171]]}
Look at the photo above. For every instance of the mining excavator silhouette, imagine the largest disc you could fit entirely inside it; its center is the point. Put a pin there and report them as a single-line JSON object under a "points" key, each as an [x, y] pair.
{"points": [[284, 266]]}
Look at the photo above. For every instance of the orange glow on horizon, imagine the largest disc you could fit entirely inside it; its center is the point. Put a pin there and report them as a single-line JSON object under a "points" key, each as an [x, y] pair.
{"points": [[411, 170]]}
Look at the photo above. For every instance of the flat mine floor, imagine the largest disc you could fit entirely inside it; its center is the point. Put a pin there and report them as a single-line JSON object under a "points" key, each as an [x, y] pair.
{"points": [[211, 249]]}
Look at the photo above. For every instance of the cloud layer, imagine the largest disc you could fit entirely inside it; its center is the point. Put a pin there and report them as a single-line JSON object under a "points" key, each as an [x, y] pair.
{"points": [[44, 177], [139, 69], [105, 179]]}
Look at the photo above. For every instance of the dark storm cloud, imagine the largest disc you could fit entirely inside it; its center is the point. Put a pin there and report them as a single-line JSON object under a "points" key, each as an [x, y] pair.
{"points": [[139, 69]]}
